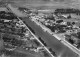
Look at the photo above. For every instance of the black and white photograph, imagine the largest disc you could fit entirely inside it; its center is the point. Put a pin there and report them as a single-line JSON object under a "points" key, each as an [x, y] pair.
{"points": [[39, 28]]}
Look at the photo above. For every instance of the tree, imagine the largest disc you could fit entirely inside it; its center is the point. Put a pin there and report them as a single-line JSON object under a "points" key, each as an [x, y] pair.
{"points": [[73, 23]]}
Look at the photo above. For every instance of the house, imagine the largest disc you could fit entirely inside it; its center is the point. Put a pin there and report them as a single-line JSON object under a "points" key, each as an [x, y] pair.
{"points": [[63, 23], [66, 15], [59, 21]]}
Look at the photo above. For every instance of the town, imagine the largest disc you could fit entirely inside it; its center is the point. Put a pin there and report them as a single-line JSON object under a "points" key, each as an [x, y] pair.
{"points": [[63, 24], [19, 37]]}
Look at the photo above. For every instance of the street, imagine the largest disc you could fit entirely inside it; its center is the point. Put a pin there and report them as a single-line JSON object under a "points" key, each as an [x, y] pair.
{"points": [[50, 40]]}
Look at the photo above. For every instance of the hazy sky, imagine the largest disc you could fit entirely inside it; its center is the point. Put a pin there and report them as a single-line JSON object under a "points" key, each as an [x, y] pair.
{"points": [[40, 1], [46, 3]]}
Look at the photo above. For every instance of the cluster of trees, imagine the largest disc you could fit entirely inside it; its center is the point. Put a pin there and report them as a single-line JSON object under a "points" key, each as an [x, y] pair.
{"points": [[72, 41], [42, 41], [12, 40], [67, 11], [59, 28], [7, 15]]}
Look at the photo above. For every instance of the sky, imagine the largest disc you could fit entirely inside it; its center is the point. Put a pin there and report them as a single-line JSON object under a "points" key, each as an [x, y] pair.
{"points": [[46, 3]]}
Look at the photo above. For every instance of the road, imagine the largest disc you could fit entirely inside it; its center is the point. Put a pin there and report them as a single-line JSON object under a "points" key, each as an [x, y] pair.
{"points": [[38, 39], [51, 41], [62, 39], [32, 34]]}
